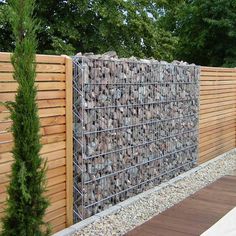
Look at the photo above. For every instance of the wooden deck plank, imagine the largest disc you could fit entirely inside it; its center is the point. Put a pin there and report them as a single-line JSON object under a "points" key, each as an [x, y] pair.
{"points": [[195, 214]]}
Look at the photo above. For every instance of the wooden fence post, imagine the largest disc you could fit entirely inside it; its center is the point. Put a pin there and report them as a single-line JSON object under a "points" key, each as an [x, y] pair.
{"points": [[69, 141]]}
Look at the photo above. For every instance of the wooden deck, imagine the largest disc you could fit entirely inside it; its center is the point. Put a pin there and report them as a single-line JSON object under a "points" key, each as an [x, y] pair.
{"points": [[195, 214]]}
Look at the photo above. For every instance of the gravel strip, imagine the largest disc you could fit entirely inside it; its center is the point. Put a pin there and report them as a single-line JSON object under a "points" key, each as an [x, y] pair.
{"points": [[127, 218]]}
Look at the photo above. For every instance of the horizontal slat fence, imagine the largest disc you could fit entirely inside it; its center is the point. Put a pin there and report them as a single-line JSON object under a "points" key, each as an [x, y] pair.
{"points": [[54, 83], [54, 75], [217, 112]]}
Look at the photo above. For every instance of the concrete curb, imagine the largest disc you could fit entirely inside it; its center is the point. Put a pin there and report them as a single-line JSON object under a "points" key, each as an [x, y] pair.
{"points": [[78, 226]]}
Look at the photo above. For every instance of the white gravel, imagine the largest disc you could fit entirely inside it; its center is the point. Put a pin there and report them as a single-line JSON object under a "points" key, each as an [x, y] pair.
{"points": [[127, 218]]}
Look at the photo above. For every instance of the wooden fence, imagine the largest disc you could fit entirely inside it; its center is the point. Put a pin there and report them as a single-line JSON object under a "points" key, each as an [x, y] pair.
{"points": [[54, 81], [217, 112]]}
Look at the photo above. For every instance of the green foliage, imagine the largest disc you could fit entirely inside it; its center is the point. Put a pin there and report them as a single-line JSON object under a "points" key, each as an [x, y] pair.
{"points": [[6, 41], [26, 204], [206, 31], [199, 31], [129, 27]]}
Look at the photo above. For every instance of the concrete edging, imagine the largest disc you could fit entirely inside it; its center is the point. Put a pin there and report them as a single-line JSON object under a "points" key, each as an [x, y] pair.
{"points": [[78, 226]]}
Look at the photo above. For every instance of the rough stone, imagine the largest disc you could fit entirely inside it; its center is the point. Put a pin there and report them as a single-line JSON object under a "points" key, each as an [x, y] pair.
{"points": [[141, 118]]}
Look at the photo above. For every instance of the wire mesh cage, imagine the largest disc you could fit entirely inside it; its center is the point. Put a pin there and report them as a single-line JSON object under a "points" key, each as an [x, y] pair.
{"points": [[135, 126]]}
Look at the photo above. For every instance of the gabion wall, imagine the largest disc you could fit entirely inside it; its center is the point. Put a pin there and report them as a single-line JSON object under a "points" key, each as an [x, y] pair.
{"points": [[135, 126]]}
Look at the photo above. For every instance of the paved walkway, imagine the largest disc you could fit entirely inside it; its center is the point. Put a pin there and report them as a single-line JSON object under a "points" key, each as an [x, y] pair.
{"points": [[195, 214]]}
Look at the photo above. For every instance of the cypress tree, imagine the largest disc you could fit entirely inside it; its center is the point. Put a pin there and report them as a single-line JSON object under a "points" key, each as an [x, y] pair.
{"points": [[26, 204]]}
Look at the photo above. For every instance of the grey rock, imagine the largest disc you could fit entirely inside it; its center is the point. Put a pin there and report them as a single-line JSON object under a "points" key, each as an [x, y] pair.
{"points": [[88, 54], [110, 54], [135, 109], [79, 54]]}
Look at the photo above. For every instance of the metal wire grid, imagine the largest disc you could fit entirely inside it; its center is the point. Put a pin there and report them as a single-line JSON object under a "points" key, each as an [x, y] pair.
{"points": [[88, 184], [78, 189]]}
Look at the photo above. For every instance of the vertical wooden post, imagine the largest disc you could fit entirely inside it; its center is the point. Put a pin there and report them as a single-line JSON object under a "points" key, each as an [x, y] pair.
{"points": [[69, 141]]}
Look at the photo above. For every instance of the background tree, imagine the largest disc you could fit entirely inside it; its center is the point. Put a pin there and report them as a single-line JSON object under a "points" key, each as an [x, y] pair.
{"points": [[129, 27], [199, 31], [5, 30], [26, 204], [206, 30]]}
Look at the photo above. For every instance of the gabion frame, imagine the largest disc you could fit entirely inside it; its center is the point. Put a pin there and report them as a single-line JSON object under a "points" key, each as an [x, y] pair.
{"points": [[135, 126]]}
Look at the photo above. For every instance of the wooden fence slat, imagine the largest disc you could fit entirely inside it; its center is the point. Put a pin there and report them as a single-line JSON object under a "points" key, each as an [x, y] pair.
{"points": [[54, 120], [214, 109], [217, 78], [215, 153], [58, 228], [217, 82], [218, 146], [215, 87], [7, 147], [41, 86], [45, 121], [55, 188], [215, 92], [216, 128], [41, 95], [52, 215], [220, 122], [57, 196], [56, 205], [52, 112], [217, 113], [51, 103], [55, 129], [217, 117], [44, 104], [59, 220], [53, 147], [44, 112], [216, 140], [53, 138], [221, 95], [49, 59], [40, 77], [57, 179], [54, 172], [5, 157], [216, 69], [216, 104], [218, 74], [216, 143], [40, 68]]}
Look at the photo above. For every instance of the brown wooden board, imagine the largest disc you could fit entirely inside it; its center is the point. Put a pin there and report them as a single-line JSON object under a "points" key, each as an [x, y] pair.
{"points": [[195, 214]]}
